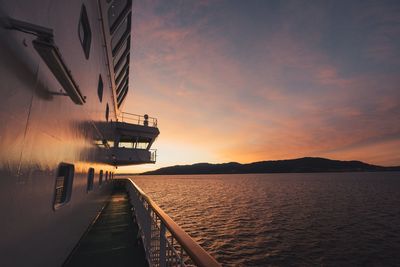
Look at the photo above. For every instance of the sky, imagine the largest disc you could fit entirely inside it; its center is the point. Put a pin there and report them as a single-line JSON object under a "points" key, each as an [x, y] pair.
{"points": [[252, 80]]}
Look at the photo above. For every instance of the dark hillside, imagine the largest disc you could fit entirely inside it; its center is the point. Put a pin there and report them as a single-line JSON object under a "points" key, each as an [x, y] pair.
{"points": [[275, 166]]}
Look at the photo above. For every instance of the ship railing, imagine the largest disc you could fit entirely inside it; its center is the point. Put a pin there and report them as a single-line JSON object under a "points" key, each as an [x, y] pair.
{"points": [[144, 120], [165, 242]]}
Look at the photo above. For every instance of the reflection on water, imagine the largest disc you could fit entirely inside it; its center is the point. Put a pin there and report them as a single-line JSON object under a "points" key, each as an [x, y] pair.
{"points": [[286, 219]]}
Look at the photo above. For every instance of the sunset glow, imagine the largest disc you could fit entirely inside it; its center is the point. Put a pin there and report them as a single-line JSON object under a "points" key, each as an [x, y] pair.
{"points": [[262, 80]]}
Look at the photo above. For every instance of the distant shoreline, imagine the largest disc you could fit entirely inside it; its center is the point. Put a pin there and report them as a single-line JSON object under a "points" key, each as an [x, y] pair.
{"points": [[300, 165], [159, 174]]}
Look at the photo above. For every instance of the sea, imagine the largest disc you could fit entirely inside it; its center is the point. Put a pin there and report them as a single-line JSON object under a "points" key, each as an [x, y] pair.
{"points": [[307, 219]]}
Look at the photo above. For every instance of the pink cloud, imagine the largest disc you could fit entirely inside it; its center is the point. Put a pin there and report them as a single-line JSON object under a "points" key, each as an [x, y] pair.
{"points": [[206, 97]]}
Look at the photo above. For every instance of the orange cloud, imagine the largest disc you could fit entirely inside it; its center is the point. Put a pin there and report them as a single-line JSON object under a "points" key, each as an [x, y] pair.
{"points": [[220, 97]]}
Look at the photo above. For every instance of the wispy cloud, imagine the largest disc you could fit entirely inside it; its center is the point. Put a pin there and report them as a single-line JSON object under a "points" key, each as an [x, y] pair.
{"points": [[253, 81]]}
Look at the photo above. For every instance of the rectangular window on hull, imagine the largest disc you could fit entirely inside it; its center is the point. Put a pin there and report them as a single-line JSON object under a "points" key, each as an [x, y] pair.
{"points": [[90, 180], [63, 185]]}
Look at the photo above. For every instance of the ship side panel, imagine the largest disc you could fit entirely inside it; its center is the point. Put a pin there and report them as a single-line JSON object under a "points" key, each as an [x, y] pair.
{"points": [[39, 129]]}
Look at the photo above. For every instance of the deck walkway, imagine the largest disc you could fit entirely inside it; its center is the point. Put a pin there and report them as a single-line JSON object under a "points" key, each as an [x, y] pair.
{"points": [[112, 240]]}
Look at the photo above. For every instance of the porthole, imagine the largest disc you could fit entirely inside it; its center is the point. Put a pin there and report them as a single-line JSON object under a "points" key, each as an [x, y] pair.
{"points": [[100, 88], [85, 34], [63, 184], [100, 177], [107, 112], [90, 179]]}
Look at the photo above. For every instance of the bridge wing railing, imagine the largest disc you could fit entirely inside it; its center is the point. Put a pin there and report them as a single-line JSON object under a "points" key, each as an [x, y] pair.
{"points": [[144, 120]]}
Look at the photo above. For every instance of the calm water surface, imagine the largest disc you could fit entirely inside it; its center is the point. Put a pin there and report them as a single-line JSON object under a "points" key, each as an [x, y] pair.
{"points": [[340, 219]]}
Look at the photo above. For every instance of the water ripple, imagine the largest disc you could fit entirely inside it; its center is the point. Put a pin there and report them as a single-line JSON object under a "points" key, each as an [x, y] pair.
{"points": [[346, 219]]}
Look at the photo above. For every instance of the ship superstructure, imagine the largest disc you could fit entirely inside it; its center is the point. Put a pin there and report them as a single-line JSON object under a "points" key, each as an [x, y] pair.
{"points": [[64, 72]]}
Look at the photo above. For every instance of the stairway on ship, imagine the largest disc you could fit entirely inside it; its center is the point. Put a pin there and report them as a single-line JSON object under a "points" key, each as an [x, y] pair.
{"points": [[112, 240]]}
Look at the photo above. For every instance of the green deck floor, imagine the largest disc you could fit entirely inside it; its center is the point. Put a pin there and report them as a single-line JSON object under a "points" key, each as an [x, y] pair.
{"points": [[112, 240]]}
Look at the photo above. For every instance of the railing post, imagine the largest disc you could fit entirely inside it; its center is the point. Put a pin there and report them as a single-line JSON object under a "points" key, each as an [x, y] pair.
{"points": [[163, 245]]}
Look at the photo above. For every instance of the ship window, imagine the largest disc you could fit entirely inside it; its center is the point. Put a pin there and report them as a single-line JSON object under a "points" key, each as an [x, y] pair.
{"points": [[90, 179], [124, 60], [125, 144], [120, 35], [123, 72], [138, 145], [85, 34], [99, 143], [142, 145], [121, 63], [103, 143], [122, 84], [122, 92], [122, 96], [122, 52], [63, 185], [107, 112], [116, 12], [101, 177], [100, 88]]}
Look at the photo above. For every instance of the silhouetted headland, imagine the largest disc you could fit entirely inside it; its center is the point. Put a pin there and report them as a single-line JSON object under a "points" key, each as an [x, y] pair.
{"points": [[300, 165]]}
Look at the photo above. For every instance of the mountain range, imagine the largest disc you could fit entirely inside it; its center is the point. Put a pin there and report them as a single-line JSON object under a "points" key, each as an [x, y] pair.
{"points": [[300, 165]]}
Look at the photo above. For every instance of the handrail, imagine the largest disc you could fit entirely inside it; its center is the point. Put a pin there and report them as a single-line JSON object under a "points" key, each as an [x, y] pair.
{"points": [[195, 252], [144, 120]]}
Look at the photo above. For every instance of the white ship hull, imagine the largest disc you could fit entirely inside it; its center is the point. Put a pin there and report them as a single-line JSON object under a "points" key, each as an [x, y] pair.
{"points": [[40, 127]]}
